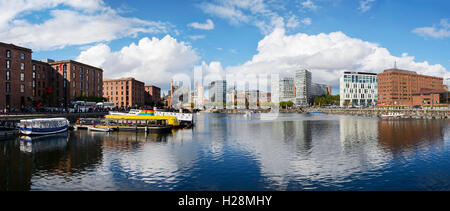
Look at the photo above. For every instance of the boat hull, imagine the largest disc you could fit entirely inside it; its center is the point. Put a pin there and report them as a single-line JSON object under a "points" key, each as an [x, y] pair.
{"points": [[42, 131]]}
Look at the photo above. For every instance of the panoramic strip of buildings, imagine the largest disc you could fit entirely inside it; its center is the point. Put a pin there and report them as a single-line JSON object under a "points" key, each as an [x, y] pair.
{"points": [[26, 83]]}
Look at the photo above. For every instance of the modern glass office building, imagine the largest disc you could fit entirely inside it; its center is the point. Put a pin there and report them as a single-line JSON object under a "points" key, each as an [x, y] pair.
{"points": [[358, 89], [302, 87]]}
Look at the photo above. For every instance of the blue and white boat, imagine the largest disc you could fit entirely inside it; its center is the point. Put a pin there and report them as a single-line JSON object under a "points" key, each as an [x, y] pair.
{"points": [[43, 126]]}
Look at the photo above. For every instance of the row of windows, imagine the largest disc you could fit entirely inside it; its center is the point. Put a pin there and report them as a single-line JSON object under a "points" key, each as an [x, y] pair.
{"points": [[8, 65], [362, 86], [362, 96], [8, 54], [8, 88]]}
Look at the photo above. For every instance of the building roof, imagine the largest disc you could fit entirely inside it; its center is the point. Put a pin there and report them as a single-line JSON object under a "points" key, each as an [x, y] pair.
{"points": [[16, 47], [360, 73], [75, 62], [400, 71]]}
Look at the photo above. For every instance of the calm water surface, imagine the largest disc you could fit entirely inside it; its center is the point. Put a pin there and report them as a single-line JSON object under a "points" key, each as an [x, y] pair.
{"points": [[231, 152]]}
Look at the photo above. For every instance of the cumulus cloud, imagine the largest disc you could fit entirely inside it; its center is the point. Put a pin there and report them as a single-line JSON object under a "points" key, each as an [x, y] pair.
{"points": [[326, 56], [79, 23], [440, 31], [209, 25], [153, 61]]}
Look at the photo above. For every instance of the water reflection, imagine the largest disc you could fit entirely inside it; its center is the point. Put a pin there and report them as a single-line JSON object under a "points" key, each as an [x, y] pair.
{"points": [[230, 152], [35, 144], [397, 136]]}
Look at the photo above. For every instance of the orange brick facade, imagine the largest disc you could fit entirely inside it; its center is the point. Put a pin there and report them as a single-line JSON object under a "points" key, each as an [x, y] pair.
{"points": [[124, 92], [396, 87]]}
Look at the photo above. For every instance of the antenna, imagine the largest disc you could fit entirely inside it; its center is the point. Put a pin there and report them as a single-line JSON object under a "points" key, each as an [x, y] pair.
{"points": [[395, 64]]}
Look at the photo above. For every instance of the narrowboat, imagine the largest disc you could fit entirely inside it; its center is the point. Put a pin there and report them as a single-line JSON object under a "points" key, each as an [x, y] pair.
{"points": [[43, 126]]}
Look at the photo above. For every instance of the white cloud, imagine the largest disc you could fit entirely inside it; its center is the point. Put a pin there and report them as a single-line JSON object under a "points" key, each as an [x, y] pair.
{"points": [[209, 25], [441, 31], [86, 22], [307, 21], [309, 5], [153, 61], [326, 56], [366, 5], [259, 13]]}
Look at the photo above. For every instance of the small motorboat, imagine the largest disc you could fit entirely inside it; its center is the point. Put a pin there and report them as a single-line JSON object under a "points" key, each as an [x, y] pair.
{"points": [[99, 129]]}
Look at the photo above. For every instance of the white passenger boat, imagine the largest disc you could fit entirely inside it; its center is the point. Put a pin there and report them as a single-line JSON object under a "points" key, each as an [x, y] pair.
{"points": [[392, 115], [43, 126], [99, 129]]}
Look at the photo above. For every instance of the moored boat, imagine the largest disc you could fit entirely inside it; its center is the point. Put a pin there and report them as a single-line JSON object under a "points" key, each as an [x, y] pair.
{"points": [[392, 115], [99, 129], [43, 126]]}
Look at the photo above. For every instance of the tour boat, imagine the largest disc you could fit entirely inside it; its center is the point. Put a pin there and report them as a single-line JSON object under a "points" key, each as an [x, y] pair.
{"points": [[43, 126]]}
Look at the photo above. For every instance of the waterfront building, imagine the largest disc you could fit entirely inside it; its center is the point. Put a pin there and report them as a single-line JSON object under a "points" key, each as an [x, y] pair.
{"points": [[44, 83], [287, 89], [302, 87], [16, 77], [428, 97], [217, 93], [30, 83], [396, 87], [75, 79], [199, 93], [152, 95], [358, 89], [318, 90], [124, 92]]}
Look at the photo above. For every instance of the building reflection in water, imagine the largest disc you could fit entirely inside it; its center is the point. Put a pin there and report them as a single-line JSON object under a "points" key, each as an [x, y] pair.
{"points": [[399, 135]]}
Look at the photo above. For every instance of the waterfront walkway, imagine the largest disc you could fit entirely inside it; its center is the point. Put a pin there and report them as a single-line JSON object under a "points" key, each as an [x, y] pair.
{"points": [[377, 112], [19, 116]]}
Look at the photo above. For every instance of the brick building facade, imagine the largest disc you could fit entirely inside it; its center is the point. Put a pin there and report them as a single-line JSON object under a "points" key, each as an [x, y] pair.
{"points": [[27, 83], [75, 79], [15, 79], [124, 92], [396, 87], [152, 95]]}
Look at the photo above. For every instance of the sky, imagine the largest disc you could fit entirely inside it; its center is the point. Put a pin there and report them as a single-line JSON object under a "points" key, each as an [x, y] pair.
{"points": [[155, 40]]}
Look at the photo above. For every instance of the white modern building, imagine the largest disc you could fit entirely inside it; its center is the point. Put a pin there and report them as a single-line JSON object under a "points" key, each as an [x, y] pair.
{"points": [[358, 89], [302, 87]]}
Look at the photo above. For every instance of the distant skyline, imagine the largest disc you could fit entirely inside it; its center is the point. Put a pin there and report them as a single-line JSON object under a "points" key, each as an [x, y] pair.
{"points": [[153, 40]]}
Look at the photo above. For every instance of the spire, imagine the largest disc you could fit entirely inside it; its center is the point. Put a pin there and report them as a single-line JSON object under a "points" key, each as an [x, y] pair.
{"points": [[395, 64]]}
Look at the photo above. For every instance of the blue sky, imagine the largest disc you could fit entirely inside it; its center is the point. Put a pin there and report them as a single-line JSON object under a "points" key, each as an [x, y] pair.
{"points": [[419, 28]]}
